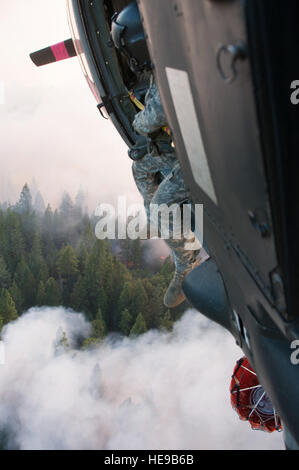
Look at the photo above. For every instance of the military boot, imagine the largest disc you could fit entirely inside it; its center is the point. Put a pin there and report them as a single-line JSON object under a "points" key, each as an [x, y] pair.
{"points": [[174, 295]]}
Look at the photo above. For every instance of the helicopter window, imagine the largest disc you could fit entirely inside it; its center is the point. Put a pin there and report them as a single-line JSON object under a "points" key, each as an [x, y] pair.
{"points": [[128, 77], [83, 58]]}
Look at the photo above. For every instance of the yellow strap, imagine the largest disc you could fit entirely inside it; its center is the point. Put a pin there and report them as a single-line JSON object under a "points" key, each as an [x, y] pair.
{"points": [[141, 107], [136, 101]]}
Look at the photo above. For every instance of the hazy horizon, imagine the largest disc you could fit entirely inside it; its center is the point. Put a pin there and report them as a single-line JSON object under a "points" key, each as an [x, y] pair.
{"points": [[51, 129]]}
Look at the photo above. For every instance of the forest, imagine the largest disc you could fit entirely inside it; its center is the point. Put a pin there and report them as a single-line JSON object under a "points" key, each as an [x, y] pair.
{"points": [[53, 258]]}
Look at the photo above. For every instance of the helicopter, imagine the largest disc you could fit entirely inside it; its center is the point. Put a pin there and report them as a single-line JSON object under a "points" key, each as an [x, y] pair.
{"points": [[227, 74]]}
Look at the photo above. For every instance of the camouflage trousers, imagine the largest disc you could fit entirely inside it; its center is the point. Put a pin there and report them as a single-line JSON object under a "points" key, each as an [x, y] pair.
{"points": [[171, 190]]}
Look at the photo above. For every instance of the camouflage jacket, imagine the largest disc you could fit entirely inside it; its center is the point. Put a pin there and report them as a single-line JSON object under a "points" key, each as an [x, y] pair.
{"points": [[152, 118]]}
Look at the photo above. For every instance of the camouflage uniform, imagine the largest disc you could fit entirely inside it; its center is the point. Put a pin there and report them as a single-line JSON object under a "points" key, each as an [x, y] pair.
{"points": [[172, 189]]}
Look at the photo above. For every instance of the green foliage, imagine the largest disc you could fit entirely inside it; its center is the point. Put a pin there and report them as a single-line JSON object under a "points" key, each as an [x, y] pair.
{"points": [[67, 263], [8, 311], [24, 204], [4, 274], [17, 296], [26, 283], [167, 267], [64, 341], [62, 344], [78, 294], [53, 258], [91, 343], [52, 295], [139, 326], [167, 321], [41, 294], [67, 268], [125, 322], [37, 263], [99, 326]]}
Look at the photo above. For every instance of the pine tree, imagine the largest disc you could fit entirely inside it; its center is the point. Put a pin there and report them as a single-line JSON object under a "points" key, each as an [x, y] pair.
{"points": [[67, 263], [47, 223], [41, 294], [67, 267], [108, 287], [125, 296], [139, 326], [59, 222], [36, 261], [93, 279], [66, 206], [125, 322], [52, 293], [99, 326], [24, 205], [88, 237], [14, 241], [26, 283], [79, 206], [103, 302], [125, 246], [154, 310], [139, 298], [2, 231], [17, 297], [86, 244], [167, 267], [39, 203], [120, 275], [8, 310], [78, 296], [136, 253], [51, 255], [4, 274], [80, 200]]}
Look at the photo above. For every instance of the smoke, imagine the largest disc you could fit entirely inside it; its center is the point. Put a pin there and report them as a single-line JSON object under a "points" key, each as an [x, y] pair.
{"points": [[160, 390], [50, 127], [156, 250]]}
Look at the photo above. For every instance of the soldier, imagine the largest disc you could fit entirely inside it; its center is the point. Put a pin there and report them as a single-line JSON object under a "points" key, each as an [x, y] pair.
{"points": [[156, 169]]}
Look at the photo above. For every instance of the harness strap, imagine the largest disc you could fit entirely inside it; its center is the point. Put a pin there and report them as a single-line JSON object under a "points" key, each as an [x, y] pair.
{"points": [[141, 106]]}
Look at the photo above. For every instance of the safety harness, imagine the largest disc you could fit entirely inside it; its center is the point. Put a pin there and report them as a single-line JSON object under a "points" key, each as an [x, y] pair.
{"points": [[141, 106]]}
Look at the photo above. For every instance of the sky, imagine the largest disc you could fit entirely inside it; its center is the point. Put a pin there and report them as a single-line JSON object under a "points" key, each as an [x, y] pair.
{"points": [[50, 127]]}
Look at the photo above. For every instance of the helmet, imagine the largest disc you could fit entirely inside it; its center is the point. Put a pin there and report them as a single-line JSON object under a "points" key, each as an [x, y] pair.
{"points": [[128, 37]]}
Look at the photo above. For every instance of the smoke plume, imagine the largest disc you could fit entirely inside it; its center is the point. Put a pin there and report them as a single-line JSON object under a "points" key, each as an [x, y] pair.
{"points": [[158, 391]]}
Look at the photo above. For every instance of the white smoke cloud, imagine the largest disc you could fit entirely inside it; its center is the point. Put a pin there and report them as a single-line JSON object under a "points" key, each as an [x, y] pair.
{"points": [[160, 390]]}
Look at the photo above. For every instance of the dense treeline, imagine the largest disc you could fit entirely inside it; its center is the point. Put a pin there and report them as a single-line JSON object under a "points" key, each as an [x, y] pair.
{"points": [[53, 258]]}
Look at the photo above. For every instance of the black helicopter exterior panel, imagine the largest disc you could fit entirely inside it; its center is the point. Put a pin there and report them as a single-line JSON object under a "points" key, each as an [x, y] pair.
{"points": [[219, 87]]}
